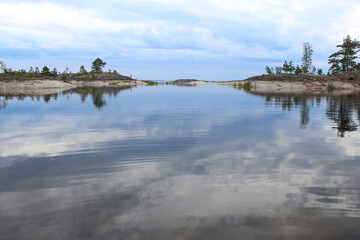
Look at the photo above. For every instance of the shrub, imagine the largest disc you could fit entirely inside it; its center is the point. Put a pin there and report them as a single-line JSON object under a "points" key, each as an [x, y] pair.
{"points": [[151, 83], [247, 86], [331, 87]]}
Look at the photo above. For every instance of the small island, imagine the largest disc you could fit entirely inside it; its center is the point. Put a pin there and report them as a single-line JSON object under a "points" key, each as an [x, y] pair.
{"points": [[49, 81]]}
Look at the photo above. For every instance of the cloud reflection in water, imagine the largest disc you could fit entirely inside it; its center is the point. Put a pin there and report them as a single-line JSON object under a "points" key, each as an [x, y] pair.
{"points": [[147, 168]]}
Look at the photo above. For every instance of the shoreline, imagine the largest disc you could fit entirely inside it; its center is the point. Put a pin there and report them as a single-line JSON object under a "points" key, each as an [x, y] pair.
{"points": [[306, 83], [43, 87], [282, 83]]}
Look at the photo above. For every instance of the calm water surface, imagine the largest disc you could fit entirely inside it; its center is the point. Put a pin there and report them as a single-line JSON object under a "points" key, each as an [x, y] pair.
{"points": [[173, 162]]}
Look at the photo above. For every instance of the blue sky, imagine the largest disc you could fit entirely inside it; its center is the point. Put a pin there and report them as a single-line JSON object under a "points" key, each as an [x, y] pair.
{"points": [[166, 40]]}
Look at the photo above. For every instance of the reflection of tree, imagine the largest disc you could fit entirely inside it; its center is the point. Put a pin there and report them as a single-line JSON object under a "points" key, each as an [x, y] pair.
{"points": [[304, 115], [291, 102], [342, 111], [83, 96], [98, 95], [47, 98], [98, 100], [3, 103]]}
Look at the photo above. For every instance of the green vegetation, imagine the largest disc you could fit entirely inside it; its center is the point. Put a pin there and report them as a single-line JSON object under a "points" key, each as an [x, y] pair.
{"points": [[54, 72], [45, 73], [98, 65], [340, 62], [269, 70], [320, 72], [344, 59], [83, 70], [238, 85], [288, 67], [331, 87], [151, 83], [298, 70], [246, 86]]}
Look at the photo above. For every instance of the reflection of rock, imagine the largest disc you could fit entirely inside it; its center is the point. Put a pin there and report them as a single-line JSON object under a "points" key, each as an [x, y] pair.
{"points": [[42, 87], [190, 82], [97, 93], [108, 83]]}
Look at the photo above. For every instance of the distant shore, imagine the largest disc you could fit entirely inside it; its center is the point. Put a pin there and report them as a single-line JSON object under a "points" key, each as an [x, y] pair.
{"points": [[273, 83], [285, 83]]}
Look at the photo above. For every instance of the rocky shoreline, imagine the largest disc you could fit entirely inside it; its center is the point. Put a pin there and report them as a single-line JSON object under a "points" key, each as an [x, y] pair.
{"points": [[282, 83], [343, 83], [42, 87], [295, 87]]}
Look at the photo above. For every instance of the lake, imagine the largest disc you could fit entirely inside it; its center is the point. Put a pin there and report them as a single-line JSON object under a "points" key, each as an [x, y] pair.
{"points": [[171, 162]]}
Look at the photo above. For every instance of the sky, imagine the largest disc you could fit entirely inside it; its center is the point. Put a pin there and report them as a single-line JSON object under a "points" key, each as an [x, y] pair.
{"points": [[172, 39]]}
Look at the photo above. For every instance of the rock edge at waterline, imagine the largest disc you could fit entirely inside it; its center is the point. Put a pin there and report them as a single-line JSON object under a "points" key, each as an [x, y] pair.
{"points": [[42, 87]]}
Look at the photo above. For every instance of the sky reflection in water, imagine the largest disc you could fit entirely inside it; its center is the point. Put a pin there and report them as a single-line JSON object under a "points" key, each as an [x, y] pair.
{"points": [[174, 162]]}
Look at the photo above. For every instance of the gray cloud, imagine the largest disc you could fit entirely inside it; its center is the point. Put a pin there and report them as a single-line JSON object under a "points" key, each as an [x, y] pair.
{"points": [[205, 32]]}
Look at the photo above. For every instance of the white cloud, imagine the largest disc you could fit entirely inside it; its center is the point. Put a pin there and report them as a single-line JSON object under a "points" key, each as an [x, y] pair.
{"points": [[159, 30]]}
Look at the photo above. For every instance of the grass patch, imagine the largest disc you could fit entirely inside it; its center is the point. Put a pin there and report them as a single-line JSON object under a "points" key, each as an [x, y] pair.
{"points": [[247, 86], [240, 86], [113, 84], [151, 83], [331, 87]]}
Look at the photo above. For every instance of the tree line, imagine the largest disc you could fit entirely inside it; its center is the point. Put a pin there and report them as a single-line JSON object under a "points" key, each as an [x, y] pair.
{"points": [[305, 67], [341, 61], [96, 67]]}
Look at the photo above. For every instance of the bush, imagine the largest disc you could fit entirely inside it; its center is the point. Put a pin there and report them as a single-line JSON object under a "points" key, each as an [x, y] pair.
{"points": [[247, 86], [331, 87], [151, 83]]}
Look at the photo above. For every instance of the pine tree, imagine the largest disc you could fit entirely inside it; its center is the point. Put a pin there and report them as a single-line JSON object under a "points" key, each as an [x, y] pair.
{"points": [[298, 70], [286, 67], [97, 65], [278, 70], [82, 70], [54, 72], [269, 70], [291, 67], [45, 71], [344, 59]]}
